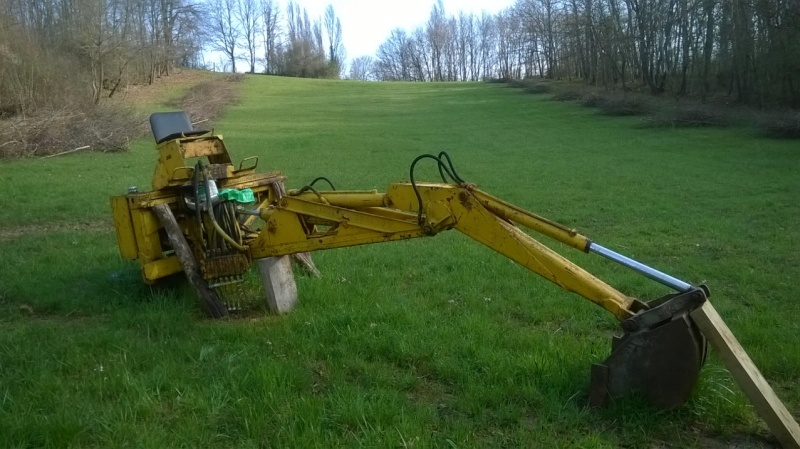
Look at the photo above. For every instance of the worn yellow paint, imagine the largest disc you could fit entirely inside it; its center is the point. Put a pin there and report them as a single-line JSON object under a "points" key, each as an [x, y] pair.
{"points": [[145, 227], [312, 222], [173, 168], [200, 148], [158, 269], [137, 227], [532, 221], [289, 230], [126, 238], [344, 198]]}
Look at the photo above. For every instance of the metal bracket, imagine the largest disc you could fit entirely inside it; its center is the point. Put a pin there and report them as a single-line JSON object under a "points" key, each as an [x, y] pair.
{"points": [[666, 308]]}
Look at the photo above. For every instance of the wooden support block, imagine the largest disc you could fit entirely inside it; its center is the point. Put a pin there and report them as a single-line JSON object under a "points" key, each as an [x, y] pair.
{"points": [[280, 289], [780, 422]]}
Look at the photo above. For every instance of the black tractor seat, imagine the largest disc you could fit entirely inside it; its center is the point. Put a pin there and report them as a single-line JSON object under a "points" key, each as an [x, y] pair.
{"points": [[172, 125]]}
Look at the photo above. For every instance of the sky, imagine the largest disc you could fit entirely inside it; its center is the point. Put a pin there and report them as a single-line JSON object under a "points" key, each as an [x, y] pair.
{"points": [[366, 24]]}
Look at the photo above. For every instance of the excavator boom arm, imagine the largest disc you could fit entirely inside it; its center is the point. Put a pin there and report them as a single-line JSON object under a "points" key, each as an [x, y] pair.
{"points": [[322, 220]]}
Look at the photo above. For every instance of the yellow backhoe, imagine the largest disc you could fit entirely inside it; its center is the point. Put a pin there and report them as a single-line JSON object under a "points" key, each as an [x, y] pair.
{"points": [[210, 219]]}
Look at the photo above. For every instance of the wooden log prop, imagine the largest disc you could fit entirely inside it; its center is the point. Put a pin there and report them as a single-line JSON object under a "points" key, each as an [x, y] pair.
{"points": [[780, 422], [209, 299], [305, 261], [280, 290]]}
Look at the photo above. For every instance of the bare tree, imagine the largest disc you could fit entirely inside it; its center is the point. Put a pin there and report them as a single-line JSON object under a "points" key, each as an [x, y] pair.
{"points": [[417, 51], [223, 30], [270, 16], [333, 28], [744, 49], [362, 68], [393, 58], [248, 17], [437, 39], [304, 52], [488, 39]]}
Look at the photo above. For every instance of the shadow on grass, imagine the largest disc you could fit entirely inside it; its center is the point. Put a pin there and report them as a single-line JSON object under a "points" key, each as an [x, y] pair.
{"points": [[688, 116], [660, 113], [781, 126]]}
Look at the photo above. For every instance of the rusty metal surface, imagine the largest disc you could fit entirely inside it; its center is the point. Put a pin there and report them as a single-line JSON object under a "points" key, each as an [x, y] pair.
{"points": [[201, 147], [221, 266], [218, 171], [661, 310], [252, 180]]}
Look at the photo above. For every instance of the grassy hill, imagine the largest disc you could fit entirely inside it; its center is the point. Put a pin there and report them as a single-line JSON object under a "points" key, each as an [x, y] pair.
{"points": [[437, 342]]}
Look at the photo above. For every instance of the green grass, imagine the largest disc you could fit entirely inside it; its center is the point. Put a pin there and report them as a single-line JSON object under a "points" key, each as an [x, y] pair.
{"points": [[429, 343]]}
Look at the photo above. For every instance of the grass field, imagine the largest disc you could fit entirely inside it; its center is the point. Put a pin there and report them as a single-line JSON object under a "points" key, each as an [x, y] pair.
{"points": [[429, 343]]}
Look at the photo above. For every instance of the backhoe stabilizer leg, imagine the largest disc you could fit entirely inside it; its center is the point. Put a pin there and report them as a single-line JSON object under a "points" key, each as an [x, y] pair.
{"points": [[659, 355]]}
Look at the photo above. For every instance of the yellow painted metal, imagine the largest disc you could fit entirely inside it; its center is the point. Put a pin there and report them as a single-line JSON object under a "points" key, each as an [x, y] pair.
{"points": [[199, 148], [256, 181], [173, 168], [354, 199], [138, 237], [286, 231], [160, 268], [471, 218], [170, 166], [300, 224], [126, 238], [530, 220], [145, 227], [137, 227]]}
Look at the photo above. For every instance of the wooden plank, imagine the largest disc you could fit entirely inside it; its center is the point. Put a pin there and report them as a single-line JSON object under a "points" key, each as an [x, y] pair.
{"points": [[305, 261], [780, 422], [280, 289]]}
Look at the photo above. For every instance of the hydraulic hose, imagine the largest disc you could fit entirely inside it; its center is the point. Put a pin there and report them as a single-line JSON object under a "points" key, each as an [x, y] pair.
{"points": [[214, 223], [196, 185], [442, 170]]}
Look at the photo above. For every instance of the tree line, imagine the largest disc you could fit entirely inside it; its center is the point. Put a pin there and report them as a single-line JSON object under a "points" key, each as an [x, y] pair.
{"points": [[284, 43], [55, 53], [84, 49], [748, 50]]}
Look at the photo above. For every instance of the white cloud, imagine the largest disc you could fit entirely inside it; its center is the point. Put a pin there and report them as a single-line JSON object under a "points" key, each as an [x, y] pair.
{"points": [[367, 23]]}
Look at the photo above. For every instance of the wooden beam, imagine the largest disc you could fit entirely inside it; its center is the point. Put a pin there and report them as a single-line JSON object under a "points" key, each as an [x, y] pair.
{"points": [[305, 261], [780, 422], [280, 289], [208, 297]]}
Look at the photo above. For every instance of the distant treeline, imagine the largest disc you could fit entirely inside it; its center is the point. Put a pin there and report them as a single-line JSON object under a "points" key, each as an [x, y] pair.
{"points": [[275, 42], [748, 50], [64, 52], [58, 54]]}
